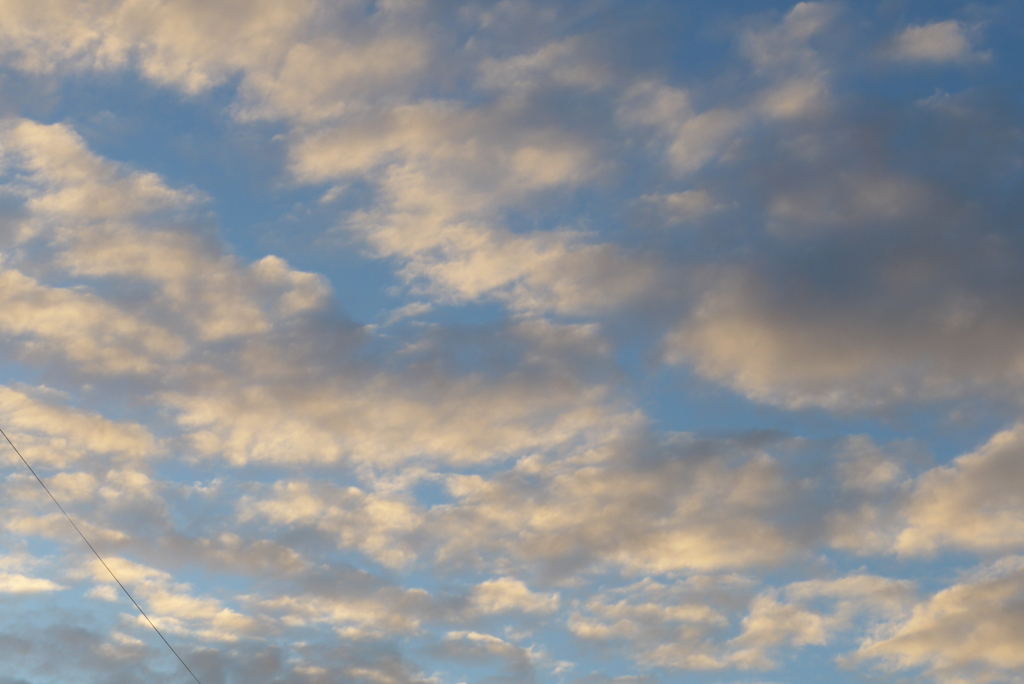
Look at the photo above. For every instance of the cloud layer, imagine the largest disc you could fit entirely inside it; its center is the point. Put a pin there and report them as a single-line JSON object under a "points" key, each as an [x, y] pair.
{"points": [[589, 236]]}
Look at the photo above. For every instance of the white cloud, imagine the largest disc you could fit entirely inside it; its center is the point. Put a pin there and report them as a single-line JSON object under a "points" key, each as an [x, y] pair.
{"points": [[380, 526], [50, 432], [786, 616], [453, 154], [410, 310], [259, 404], [327, 78], [937, 42], [795, 97], [968, 632], [20, 584], [783, 53], [81, 328], [449, 175], [95, 212], [507, 594], [66, 181], [865, 467], [976, 502], [971, 504], [171, 605]]}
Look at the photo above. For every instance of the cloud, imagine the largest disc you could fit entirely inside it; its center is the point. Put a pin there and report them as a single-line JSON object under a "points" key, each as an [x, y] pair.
{"points": [[668, 626], [508, 594], [973, 503], [47, 431], [176, 44], [605, 679], [171, 606], [20, 584], [344, 497], [681, 207], [786, 43], [970, 504], [380, 526], [937, 42], [82, 328], [694, 140], [474, 647], [698, 506], [784, 55], [685, 625], [64, 180], [450, 175], [855, 304], [791, 621], [206, 297], [966, 632], [388, 418], [355, 605], [94, 214], [559, 63], [345, 70], [686, 512], [408, 311]]}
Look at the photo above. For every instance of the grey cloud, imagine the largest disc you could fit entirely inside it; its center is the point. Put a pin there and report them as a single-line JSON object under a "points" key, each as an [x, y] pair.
{"points": [[605, 679], [83, 657], [358, 663], [873, 286]]}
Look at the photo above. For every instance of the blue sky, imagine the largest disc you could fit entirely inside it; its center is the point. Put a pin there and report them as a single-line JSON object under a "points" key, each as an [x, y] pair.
{"points": [[443, 342]]}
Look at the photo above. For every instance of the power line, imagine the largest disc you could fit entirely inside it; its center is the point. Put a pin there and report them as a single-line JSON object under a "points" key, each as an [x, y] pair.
{"points": [[98, 556]]}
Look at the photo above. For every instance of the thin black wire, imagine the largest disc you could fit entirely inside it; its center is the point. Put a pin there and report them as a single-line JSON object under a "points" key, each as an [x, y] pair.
{"points": [[98, 556]]}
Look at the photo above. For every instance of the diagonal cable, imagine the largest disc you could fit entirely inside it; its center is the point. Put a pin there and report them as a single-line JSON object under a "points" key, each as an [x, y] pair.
{"points": [[98, 556]]}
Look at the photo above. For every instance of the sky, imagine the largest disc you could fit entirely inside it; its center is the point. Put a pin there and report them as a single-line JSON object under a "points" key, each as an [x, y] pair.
{"points": [[513, 342]]}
